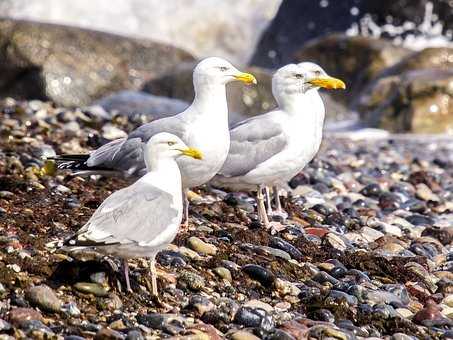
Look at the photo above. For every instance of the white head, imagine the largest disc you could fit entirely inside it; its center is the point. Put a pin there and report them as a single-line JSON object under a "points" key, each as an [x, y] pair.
{"points": [[165, 145], [218, 71], [297, 79]]}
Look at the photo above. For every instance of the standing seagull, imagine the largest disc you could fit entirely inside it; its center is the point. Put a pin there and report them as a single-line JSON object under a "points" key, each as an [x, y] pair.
{"points": [[203, 125], [141, 219], [270, 149]]}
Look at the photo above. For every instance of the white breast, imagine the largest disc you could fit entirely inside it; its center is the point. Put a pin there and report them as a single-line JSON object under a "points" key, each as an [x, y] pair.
{"points": [[213, 140]]}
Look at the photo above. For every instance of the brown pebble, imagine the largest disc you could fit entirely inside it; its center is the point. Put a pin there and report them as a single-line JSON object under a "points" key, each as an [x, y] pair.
{"points": [[296, 329], [18, 315], [430, 312]]}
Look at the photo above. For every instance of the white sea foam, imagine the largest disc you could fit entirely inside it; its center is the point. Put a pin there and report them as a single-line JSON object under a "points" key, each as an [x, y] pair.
{"points": [[429, 33]]}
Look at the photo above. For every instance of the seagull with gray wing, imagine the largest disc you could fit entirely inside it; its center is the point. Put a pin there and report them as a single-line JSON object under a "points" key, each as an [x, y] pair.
{"points": [[203, 125], [270, 149], [141, 219]]}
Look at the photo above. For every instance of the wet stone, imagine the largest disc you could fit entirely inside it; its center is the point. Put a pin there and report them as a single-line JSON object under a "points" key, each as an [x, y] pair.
{"points": [[260, 274], [91, 288], [255, 318], [201, 247], [279, 243], [371, 190]]}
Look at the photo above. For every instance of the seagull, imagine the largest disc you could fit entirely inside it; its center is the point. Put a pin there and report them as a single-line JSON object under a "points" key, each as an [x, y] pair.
{"points": [[270, 149], [143, 218], [203, 125]]}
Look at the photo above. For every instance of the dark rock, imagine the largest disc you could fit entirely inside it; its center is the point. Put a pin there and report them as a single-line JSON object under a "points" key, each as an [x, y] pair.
{"points": [[260, 274], [415, 101], [279, 243], [73, 66], [324, 315], [417, 219], [171, 258], [254, 317], [322, 277], [298, 22], [371, 190]]}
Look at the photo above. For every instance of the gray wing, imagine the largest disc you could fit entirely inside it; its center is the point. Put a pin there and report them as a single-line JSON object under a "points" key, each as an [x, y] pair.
{"points": [[133, 214], [253, 141], [127, 154]]}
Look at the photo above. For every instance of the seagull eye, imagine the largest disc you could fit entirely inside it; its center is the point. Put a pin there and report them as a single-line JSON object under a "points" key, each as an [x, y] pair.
{"points": [[223, 68], [317, 73], [298, 76], [171, 143]]}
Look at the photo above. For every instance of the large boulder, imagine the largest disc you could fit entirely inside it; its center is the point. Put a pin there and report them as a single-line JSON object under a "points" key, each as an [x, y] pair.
{"points": [[73, 66], [243, 101], [228, 29], [297, 22], [356, 60], [414, 101], [429, 58]]}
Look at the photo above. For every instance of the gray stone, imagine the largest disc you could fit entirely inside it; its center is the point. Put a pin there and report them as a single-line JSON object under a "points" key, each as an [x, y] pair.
{"points": [[205, 28], [73, 66], [44, 297], [129, 103]]}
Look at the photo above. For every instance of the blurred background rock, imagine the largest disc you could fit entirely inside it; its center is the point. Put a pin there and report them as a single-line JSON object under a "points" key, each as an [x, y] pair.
{"points": [[395, 56]]}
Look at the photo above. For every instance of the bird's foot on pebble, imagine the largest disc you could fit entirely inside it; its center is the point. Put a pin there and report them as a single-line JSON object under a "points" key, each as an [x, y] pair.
{"points": [[275, 227], [279, 215], [184, 225]]}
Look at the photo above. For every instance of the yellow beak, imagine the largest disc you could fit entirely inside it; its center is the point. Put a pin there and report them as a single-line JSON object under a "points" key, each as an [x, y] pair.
{"points": [[246, 78], [329, 83], [192, 152]]}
